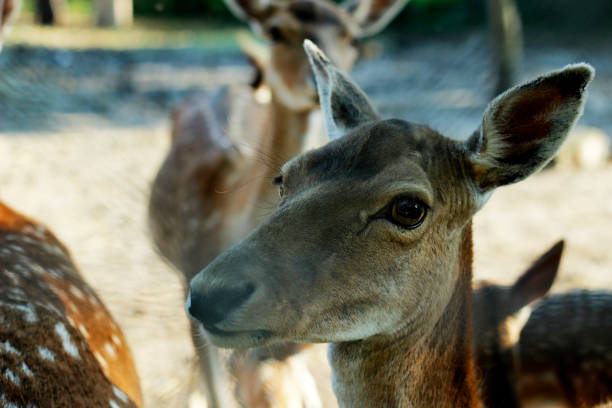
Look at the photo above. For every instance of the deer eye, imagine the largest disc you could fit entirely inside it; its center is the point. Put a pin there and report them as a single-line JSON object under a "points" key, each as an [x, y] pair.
{"points": [[278, 181], [407, 212]]}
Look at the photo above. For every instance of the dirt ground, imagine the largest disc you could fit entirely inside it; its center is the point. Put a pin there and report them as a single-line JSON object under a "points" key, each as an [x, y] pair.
{"points": [[84, 131]]}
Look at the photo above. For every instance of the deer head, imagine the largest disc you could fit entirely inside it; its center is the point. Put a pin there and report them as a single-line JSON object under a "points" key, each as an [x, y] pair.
{"points": [[337, 29], [368, 240], [493, 304]]}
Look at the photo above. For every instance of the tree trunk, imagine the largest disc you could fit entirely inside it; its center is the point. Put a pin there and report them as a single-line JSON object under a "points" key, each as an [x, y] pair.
{"points": [[114, 13], [49, 12], [506, 33]]}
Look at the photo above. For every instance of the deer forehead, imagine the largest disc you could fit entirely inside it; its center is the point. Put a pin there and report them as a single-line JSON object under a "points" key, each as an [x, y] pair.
{"points": [[385, 154]]}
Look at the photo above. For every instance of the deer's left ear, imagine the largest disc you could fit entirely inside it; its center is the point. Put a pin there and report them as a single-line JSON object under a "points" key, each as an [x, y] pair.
{"points": [[343, 103], [536, 281], [523, 128]]}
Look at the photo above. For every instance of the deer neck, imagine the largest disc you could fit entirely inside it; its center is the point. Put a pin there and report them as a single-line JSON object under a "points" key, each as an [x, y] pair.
{"points": [[289, 133], [289, 130], [397, 371]]}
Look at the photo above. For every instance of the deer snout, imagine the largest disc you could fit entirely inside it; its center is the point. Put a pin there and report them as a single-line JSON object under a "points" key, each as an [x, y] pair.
{"points": [[213, 307]]}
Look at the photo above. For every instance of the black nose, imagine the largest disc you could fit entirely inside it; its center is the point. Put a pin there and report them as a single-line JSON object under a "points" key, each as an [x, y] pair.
{"points": [[212, 308]]}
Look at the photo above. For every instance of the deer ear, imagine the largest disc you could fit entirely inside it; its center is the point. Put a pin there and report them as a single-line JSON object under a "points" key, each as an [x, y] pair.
{"points": [[249, 10], [538, 279], [523, 128], [373, 16], [344, 104]]}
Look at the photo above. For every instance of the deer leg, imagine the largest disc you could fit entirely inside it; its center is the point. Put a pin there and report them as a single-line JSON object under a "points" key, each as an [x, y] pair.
{"points": [[212, 370]]}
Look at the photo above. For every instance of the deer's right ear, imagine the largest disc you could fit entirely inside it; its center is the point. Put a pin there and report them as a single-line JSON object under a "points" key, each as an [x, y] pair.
{"points": [[344, 104], [538, 279], [249, 10], [523, 128]]}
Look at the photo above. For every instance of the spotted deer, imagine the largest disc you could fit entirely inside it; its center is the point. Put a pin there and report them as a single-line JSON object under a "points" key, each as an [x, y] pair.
{"points": [[59, 345], [370, 247], [497, 322], [215, 184]]}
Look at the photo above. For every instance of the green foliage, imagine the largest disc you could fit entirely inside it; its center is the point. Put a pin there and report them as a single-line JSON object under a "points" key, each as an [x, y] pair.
{"points": [[202, 8]]}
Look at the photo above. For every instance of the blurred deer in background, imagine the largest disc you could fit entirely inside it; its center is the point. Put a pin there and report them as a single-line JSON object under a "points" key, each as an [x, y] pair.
{"points": [[495, 311], [215, 184], [370, 246], [561, 354], [564, 353], [9, 10], [59, 345]]}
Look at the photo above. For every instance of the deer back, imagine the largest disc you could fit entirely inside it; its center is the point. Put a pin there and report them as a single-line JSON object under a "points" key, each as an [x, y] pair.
{"points": [[565, 349], [59, 345]]}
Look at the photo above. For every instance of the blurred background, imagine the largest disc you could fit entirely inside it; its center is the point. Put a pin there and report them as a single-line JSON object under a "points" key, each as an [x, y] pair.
{"points": [[85, 94]]}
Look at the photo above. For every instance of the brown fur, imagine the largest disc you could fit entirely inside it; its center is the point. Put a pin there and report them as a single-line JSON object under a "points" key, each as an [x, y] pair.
{"points": [[568, 337], [42, 299]]}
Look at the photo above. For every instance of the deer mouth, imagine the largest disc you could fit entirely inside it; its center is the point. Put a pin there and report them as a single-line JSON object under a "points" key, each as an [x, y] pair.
{"points": [[236, 338]]}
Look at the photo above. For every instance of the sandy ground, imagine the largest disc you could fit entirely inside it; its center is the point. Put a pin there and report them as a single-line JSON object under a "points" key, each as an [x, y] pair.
{"points": [[88, 176]]}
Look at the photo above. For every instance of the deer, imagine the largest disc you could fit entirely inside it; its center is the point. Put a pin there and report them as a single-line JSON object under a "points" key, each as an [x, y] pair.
{"points": [[215, 185], [370, 246], [563, 353], [9, 10], [559, 352], [497, 321], [59, 345]]}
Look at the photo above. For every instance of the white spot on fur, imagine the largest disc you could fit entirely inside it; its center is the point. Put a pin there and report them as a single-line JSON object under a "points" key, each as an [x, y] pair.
{"points": [[28, 311], [16, 248], [113, 404], [83, 331], [67, 343], [13, 277], [101, 361], [110, 350], [6, 347], [12, 376], [77, 292], [26, 370], [120, 394], [116, 339], [5, 403], [46, 354]]}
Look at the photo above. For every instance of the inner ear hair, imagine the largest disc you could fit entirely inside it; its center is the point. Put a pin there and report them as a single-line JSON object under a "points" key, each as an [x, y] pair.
{"points": [[523, 128]]}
